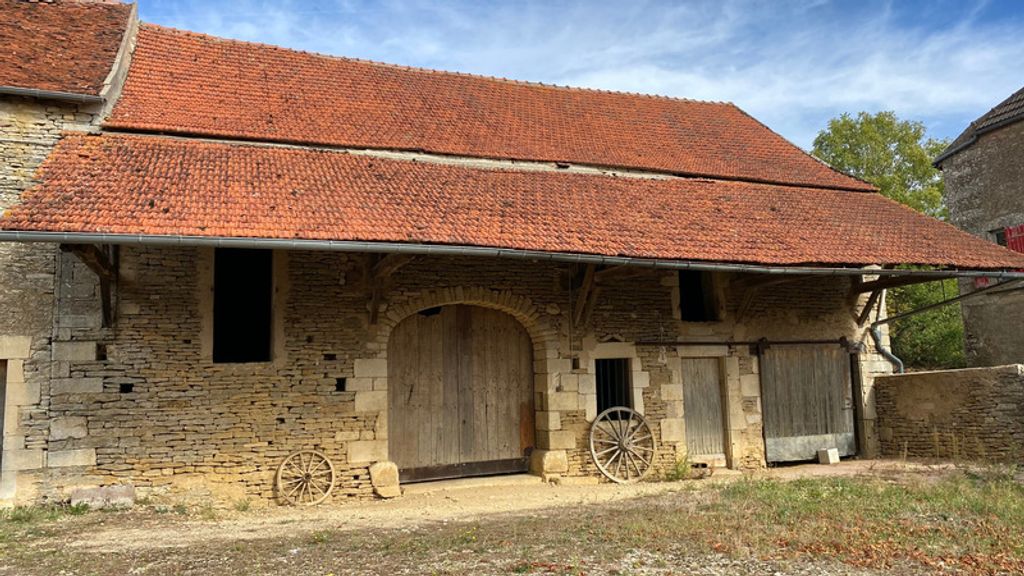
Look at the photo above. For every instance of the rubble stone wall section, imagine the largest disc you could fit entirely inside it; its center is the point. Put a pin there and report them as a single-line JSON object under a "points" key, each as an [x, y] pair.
{"points": [[985, 192], [29, 128], [972, 414], [142, 403]]}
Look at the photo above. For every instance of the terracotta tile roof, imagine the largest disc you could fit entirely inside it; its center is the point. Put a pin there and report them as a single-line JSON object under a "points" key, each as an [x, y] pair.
{"points": [[153, 185], [187, 83], [60, 46], [1006, 112]]}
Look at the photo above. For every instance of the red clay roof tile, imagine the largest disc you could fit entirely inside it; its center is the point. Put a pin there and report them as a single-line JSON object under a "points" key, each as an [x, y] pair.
{"points": [[153, 185], [187, 83], [60, 46]]}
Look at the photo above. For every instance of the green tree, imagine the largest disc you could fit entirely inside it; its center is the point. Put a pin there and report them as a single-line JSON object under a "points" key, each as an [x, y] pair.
{"points": [[896, 156]]}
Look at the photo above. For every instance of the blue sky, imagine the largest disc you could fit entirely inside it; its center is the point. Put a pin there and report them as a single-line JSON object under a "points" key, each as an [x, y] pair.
{"points": [[792, 64]]}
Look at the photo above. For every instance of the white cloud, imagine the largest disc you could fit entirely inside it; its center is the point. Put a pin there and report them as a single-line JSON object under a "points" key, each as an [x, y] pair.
{"points": [[791, 64]]}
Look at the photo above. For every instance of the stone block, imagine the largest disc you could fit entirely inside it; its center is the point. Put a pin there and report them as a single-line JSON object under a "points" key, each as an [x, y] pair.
{"points": [[23, 459], [76, 386], [549, 421], [549, 462], [587, 384], [371, 368], [589, 402], [77, 457], [371, 401], [13, 441], [384, 473], [641, 379], [828, 456], [673, 430], [556, 439], [367, 451], [120, 496], [569, 382], [558, 401], [74, 351], [702, 351], [670, 392], [15, 371], [15, 347], [750, 385], [358, 384], [68, 427], [22, 393]]}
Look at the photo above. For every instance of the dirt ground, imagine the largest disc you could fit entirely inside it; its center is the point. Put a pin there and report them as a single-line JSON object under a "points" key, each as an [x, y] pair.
{"points": [[438, 502], [484, 526]]}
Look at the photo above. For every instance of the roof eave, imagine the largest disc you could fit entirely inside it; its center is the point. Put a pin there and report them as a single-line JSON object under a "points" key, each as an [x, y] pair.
{"points": [[51, 95], [482, 251]]}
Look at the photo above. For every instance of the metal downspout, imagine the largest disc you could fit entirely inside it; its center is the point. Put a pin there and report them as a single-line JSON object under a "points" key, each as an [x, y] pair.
{"points": [[876, 335], [876, 332]]}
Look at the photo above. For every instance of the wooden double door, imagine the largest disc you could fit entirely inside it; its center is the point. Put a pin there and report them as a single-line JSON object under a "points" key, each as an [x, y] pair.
{"points": [[807, 397], [460, 400]]}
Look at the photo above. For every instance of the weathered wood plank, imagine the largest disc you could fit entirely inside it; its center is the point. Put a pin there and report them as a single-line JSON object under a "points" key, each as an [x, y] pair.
{"points": [[702, 406], [807, 401]]}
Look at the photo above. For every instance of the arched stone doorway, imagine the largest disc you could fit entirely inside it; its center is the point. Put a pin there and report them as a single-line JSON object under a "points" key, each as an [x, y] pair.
{"points": [[460, 393]]}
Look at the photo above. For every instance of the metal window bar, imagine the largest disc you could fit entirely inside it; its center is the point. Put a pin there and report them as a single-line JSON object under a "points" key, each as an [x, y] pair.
{"points": [[613, 383]]}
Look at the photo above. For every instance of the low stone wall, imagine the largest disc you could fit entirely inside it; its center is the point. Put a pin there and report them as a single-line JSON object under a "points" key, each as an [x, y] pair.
{"points": [[973, 414]]}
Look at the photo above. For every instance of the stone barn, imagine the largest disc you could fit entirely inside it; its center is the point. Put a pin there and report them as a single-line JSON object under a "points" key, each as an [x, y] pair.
{"points": [[238, 268], [984, 179]]}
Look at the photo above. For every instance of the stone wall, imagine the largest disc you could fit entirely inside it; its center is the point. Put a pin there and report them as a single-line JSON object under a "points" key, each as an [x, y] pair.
{"points": [[972, 414], [142, 403], [28, 130], [985, 192]]}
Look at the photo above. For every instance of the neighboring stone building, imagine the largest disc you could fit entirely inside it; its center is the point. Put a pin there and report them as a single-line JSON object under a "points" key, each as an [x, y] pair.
{"points": [[266, 252], [984, 173]]}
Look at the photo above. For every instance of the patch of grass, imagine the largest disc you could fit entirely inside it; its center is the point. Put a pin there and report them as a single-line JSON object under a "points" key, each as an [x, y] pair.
{"points": [[681, 470], [242, 505]]}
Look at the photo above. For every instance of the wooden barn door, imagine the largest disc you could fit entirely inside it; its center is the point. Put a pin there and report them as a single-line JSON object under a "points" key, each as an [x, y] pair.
{"points": [[460, 382], [702, 407], [808, 402]]}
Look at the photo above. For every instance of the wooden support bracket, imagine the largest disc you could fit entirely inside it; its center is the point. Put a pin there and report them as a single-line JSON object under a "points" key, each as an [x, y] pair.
{"points": [[583, 299], [380, 271], [866, 312], [103, 262]]}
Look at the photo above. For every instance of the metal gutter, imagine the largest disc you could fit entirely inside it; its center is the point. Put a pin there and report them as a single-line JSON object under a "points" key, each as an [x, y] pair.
{"points": [[51, 95], [457, 250], [876, 333], [974, 138]]}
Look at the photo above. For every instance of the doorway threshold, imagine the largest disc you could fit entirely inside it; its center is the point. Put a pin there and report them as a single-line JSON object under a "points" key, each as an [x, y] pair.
{"points": [[433, 486]]}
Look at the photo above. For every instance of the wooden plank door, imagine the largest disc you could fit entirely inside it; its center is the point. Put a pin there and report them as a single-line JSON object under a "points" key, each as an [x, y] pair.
{"points": [[460, 382], [807, 399], [3, 404], [702, 407]]}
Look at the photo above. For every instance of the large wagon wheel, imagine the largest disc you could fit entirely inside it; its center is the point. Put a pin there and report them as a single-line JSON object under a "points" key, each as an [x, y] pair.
{"points": [[305, 478], [622, 444]]}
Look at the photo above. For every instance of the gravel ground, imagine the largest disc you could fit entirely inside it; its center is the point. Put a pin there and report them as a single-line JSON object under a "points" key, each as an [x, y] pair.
{"points": [[492, 526]]}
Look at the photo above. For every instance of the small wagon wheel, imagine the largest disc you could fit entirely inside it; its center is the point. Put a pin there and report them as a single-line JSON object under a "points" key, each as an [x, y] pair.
{"points": [[622, 444], [305, 478]]}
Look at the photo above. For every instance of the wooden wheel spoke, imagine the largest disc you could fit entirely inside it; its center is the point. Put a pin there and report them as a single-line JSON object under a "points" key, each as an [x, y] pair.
{"points": [[305, 477], [622, 444]]}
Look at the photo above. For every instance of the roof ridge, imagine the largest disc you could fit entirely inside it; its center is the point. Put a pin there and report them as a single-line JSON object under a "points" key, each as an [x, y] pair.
{"points": [[437, 71]]}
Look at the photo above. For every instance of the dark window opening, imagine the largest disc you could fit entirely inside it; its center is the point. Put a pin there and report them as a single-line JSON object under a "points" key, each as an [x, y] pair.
{"points": [[339, 384], [430, 311], [999, 235], [613, 383], [242, 302], [126, 388], [330, 357], [697, 301]]}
